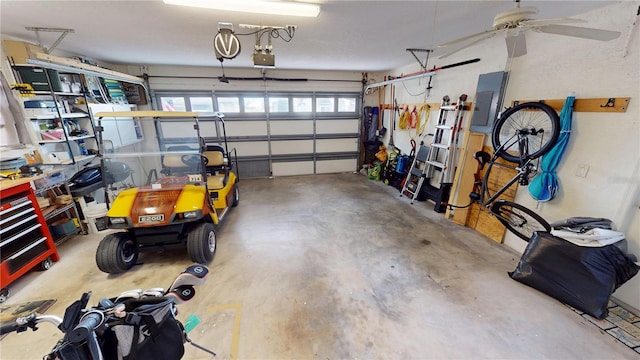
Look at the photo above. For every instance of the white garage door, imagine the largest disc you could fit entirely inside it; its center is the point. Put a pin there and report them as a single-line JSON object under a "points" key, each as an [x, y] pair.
{"points": [[279, 134]]}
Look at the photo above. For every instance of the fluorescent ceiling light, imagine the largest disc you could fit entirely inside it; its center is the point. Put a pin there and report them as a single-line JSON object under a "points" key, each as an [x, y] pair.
{"points": [[254, 6]]}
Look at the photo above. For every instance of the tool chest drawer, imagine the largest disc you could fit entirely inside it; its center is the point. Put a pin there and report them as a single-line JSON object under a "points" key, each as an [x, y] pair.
{"points": [[25, 240]]}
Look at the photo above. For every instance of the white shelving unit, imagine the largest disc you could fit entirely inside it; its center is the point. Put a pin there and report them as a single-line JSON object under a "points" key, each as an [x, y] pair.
{"points": [[60, 122]]}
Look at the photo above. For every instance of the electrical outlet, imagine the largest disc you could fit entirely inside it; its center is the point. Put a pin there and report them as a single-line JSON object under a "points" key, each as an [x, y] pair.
{"points": [[582, 170]]}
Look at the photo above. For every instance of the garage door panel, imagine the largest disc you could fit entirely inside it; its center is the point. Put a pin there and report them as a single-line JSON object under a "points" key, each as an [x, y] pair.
{"points": [[347, 126], [303, 127], [250, 148], [336, 145], [288, 168], [336, 166], [283, 147], [246, 128]]}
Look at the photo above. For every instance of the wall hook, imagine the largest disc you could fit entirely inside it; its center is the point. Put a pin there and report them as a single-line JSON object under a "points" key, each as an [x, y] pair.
{"points": [[610, 103]]}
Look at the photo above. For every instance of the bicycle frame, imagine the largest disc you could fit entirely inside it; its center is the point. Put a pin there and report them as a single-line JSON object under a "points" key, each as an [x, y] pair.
{"points": [[515, 217], [523, 171], [522, 176]]}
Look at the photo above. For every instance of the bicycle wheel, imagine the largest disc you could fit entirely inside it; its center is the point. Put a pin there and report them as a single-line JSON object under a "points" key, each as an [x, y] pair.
{"points": [[518, 219], [526, 131]]}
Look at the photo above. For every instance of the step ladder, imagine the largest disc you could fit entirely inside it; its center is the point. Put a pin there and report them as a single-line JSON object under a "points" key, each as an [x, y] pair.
{"points": [[416, 174], [439, 157]]}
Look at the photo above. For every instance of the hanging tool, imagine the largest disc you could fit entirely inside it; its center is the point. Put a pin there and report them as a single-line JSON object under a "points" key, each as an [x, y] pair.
{"points": [[381, 129], [393, 117], [403, 122]]}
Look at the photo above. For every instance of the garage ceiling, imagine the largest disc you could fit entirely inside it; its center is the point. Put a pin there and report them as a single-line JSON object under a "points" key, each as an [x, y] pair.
{"points": [[348, 35]]}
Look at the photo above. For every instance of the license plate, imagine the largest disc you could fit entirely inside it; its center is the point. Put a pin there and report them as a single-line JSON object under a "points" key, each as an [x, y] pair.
{"points": [[151, 218]]}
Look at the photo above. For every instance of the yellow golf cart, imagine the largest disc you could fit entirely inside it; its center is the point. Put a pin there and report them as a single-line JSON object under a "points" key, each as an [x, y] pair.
{"points": [[183, 183]]}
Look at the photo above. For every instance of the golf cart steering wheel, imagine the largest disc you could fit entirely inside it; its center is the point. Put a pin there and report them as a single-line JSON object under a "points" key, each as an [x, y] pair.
{"points": [[190, 160]]}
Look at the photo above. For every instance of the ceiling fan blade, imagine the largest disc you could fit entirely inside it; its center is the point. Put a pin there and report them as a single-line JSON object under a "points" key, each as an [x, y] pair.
{"points": [[451, 51], [545, 22], [516, 45], [581, 32], [485, 35]]}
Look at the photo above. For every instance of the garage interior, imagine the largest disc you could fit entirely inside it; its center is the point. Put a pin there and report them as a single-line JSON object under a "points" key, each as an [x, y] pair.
{"points": [[321, 259]]}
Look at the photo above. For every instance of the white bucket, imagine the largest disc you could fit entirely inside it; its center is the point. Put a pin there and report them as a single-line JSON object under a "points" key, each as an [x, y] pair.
{"points": [[92, 213]]}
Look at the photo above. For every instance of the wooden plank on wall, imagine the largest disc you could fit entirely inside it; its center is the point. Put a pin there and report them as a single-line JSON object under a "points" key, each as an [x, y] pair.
{"points": [[486, 223], [588, 105], [478, 217], [433, 106], [464, 179]]}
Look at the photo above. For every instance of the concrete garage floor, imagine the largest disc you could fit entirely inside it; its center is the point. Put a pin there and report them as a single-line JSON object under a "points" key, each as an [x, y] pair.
{"points": [[336, 267]]}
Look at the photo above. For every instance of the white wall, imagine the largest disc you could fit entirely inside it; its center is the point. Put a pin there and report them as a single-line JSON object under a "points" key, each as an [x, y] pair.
{"points": [[609, 143]]}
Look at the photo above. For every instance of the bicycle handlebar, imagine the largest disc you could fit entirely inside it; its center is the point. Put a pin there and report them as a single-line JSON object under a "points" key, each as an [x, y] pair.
{"points": [[6, 328], [88, 323], [31, 320]]}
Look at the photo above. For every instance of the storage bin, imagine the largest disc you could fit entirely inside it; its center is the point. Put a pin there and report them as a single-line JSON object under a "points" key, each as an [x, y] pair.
{"points": [[50, 179], [95, 215], [63, 227], [38, 79]]}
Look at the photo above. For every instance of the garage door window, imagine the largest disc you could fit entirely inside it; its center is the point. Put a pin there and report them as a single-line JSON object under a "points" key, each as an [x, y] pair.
{"points": [[229, 104], [347, 104], [173, 104], [278, 104], [302, 104], [254, 104], [201, 104], [325, 105]]}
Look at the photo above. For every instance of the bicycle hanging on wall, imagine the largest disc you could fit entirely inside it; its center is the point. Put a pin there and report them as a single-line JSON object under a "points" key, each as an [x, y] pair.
{"points": [[521, 135]]}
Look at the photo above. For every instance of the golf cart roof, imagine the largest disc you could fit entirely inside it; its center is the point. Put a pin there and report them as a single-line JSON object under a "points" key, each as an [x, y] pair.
{"points": [[148, 114]]}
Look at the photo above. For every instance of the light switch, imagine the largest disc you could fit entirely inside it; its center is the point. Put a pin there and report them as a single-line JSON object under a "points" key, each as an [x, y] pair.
{"points": [[582, 171]]}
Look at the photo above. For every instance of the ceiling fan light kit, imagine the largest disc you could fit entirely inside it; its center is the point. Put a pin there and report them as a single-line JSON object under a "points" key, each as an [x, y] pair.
{"points": [[269, 7]]}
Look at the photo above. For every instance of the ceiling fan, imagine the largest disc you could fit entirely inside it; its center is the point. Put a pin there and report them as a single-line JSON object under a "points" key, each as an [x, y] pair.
{"points": [[513, 23]]}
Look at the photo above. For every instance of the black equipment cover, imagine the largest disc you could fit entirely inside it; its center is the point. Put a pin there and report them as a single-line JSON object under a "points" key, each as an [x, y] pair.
{"points": [[582, 277]]}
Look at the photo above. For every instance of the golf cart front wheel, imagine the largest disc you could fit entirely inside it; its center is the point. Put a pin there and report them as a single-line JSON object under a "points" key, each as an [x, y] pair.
{"points": [[116, 253], [201, 243]]}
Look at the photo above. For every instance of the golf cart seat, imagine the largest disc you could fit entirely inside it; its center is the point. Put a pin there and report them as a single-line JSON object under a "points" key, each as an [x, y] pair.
{"points": [[216, 167], [180, 164]]}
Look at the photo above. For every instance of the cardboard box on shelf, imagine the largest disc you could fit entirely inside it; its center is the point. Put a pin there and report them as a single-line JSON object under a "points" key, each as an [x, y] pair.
{"points": [[20, 51]]}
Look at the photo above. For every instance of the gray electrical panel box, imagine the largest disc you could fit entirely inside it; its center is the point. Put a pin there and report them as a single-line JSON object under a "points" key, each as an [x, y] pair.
{"points": [[488, 101]]}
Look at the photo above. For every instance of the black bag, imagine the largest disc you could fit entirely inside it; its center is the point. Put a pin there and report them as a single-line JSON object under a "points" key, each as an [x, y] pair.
{"points": [[583, 277], [370, 123], [152, 323]]}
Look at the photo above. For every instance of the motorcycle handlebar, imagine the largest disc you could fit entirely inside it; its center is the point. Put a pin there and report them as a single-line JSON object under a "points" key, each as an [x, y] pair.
{"points": [[88, 323]]}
